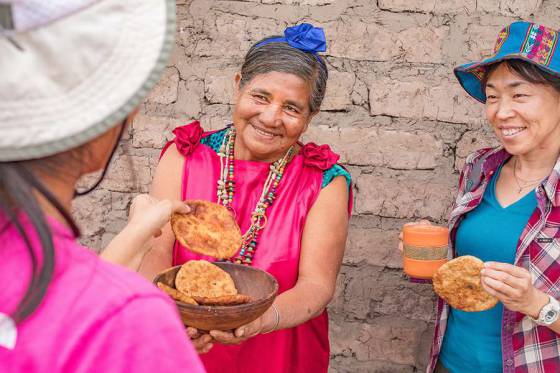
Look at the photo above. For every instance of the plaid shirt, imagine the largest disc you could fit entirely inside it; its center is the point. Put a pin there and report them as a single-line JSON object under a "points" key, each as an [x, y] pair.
{"points": [[526, 347]]}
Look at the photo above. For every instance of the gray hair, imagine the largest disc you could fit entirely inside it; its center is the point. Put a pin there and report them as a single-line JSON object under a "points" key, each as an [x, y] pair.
{"points": [[281, 57]]}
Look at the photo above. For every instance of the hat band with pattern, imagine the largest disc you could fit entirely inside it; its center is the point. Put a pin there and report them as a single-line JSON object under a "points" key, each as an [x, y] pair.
{"points": [[535, 44]]}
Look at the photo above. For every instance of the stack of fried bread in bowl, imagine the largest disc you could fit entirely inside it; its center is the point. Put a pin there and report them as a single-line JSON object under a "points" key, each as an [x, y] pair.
{"points": [[218, 295]]}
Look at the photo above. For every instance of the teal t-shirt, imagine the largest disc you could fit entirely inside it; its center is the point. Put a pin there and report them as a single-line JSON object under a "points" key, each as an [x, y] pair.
{"points": [[472, 341]]}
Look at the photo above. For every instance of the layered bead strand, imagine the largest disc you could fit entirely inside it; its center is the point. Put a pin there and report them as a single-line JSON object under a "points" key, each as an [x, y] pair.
{"points": [[226, 190], [226, 183]]}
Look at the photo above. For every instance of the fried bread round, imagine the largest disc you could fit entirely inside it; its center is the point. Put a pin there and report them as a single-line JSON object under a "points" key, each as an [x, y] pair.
{"points": [[210, 229], [226, 300], [176, 294], [458, 283], [200, 278]]}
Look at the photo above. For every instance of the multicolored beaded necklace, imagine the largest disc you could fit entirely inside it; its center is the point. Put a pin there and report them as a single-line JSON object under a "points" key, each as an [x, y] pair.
{"points": [[226, 189]]}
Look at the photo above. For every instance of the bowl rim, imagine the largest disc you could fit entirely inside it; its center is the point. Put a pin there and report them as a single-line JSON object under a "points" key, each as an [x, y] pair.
{"points": [[236, 307]]}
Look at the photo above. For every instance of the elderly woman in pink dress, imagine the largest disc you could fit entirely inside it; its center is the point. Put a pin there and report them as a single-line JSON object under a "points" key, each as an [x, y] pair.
{"points": [[291, 200]]}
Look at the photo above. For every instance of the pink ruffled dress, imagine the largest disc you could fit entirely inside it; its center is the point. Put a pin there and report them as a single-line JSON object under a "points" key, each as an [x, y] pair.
{"points": [[304, 348]]}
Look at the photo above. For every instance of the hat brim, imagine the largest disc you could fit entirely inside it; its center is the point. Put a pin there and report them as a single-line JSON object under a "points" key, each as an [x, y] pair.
{"points": [[69, 85], [471, 75]]}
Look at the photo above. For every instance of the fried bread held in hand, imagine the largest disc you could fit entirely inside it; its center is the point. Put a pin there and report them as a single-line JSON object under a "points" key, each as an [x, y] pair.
{"points": [[458, 282], [176, 294], [210, 229]]}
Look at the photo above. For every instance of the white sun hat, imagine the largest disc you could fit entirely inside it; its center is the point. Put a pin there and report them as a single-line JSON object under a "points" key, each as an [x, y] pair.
{"points": [[72, 69]]}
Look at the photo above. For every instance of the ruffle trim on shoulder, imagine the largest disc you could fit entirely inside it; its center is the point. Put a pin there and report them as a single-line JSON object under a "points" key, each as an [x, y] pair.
{"points": [[320, 156], [188, 137]]}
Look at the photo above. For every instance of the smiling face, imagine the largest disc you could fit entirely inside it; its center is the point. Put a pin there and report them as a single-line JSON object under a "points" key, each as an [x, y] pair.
{"points": [[525, 116], [271, 113]]}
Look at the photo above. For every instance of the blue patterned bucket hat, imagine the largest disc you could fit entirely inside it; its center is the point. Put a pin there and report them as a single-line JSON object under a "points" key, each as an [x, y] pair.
{"points": [[525, 41]]}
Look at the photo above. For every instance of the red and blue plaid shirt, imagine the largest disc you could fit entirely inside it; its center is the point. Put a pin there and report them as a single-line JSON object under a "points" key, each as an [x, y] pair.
{"points": [[526, 346]]}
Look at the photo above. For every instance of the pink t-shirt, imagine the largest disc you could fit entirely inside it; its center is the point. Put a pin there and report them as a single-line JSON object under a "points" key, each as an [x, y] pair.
{"points": [[95, 317]]}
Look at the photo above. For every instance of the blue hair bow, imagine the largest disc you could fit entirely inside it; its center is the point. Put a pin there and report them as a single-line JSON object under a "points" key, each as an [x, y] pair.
{"points": [[304, 37]]}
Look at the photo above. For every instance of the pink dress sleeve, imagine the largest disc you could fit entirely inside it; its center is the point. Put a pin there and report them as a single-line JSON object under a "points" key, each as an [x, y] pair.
{"points": [[186, 139], [323, 158], [144, 335]]}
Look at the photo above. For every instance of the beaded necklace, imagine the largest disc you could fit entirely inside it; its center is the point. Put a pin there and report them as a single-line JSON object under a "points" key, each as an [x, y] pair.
{"points": [[226, 189]]}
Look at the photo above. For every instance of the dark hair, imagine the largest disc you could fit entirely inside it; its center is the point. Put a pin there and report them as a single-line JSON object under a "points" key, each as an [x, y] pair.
{"points": [[17, 200], [525, 70], [18, 185], [281, 57]]}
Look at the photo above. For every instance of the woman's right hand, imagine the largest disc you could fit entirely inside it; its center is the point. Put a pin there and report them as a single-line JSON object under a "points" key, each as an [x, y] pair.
{"points": [[149, 215], [202, 342], [146, 219], [419, 222]]}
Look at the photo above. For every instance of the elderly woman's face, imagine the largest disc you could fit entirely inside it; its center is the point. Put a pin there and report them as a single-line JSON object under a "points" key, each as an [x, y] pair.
{"points": [[271, 113], [525, 116]]}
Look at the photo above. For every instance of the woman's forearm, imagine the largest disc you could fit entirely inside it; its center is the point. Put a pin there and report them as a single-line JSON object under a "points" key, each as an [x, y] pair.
{"points": [[303, 302], [127, 248], [148, 218]]}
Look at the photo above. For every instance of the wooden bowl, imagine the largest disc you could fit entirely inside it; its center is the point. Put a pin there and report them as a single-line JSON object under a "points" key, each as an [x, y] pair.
{"points": [[258, 284]]}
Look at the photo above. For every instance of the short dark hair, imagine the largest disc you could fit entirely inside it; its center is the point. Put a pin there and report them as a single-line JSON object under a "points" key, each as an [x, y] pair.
{"points": [[281, 57], [525, 70]]}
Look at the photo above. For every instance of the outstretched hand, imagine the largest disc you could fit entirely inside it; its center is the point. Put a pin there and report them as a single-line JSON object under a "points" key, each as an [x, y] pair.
{"points": [[146, 219], [149, 215]]}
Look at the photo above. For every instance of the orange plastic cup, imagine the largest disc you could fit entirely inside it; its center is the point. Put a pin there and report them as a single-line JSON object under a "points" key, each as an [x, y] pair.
{"points": [[425, 249]]}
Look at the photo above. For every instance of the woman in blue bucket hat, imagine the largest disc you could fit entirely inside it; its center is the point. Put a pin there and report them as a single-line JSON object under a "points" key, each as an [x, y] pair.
{"points": [[507, 213], [71, 75]]}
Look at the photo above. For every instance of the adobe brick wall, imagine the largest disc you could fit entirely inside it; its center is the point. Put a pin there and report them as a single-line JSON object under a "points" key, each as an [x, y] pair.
{"points": [[393, 111]]}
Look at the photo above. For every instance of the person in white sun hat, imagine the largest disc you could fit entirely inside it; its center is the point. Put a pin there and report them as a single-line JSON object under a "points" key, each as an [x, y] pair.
{"points": [[71, 74]]}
